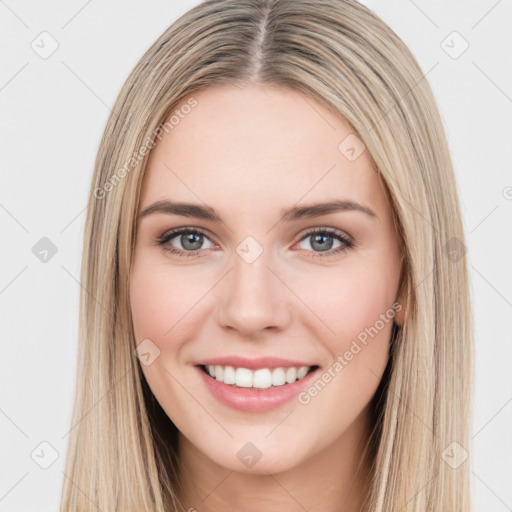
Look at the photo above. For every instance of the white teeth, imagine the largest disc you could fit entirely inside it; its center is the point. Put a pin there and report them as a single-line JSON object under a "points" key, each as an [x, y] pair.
{"points": [[261, 378], [291, 375], [278, 378], [243, 377], [219, 373], [301, 372], [229, 375]]}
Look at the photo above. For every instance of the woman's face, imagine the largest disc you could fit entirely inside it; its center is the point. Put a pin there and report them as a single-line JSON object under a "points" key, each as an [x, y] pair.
{"points": [[269, 273]]}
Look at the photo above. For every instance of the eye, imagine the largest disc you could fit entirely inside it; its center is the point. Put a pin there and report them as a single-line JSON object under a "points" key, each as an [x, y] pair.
{"points": [[321, 240], [190, 240]]}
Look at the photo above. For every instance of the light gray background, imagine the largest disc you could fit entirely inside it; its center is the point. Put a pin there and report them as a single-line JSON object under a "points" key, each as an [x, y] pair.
{"points": [[53, 112]]}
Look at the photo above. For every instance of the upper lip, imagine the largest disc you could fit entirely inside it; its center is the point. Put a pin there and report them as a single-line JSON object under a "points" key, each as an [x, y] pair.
{"points": [[253, 364]]}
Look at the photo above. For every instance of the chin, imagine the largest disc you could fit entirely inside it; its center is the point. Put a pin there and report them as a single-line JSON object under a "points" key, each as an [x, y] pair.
{"points": [[256, 457], [274, 464]]}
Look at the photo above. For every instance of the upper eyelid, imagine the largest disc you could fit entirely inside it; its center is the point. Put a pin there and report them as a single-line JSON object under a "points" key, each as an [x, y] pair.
{"points": [[172, 233], [327, 229]]}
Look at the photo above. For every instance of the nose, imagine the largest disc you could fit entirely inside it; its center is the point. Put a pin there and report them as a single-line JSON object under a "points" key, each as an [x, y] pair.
{"points": [[253, 297]]}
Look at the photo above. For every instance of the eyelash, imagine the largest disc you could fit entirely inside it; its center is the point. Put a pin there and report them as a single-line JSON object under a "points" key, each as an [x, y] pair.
{"points": [[164, 239]]}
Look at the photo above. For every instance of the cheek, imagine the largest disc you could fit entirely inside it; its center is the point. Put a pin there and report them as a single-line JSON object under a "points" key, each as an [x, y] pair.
{"points": [[161, 301], [353, 305], [356, 306], [352, 301], [159, 304], [148, 301]]}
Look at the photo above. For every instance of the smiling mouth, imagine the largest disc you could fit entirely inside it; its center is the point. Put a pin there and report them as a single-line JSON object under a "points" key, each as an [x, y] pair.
{"points": [[263, 378]]}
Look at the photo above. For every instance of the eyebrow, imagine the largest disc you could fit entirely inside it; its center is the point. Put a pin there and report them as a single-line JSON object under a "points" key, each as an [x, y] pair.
{"points": [[287, 215]]}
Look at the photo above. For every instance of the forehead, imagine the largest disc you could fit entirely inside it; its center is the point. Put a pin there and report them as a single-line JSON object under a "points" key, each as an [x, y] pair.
{"points": [[260, 143]]}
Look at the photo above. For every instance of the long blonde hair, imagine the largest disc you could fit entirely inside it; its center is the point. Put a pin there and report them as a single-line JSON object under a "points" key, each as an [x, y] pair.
{"points": [[122, 446]]}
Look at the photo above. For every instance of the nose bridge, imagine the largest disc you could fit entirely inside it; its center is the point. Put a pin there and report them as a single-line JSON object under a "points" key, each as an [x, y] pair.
{"points": [[252, 297]]}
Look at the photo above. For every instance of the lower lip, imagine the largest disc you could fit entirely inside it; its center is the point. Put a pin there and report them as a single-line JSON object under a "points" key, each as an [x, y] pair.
{"points": [[255, 400]]}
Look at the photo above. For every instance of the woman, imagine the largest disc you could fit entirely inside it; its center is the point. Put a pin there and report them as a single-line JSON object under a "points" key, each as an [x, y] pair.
{"points": [[275, 309]]}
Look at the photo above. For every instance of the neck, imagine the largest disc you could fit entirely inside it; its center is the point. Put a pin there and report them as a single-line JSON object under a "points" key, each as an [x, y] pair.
{"points": [[332, 480]]}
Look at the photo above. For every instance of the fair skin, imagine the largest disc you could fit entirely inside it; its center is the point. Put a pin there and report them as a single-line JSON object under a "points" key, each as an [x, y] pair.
{"points": [[249, 152]]}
